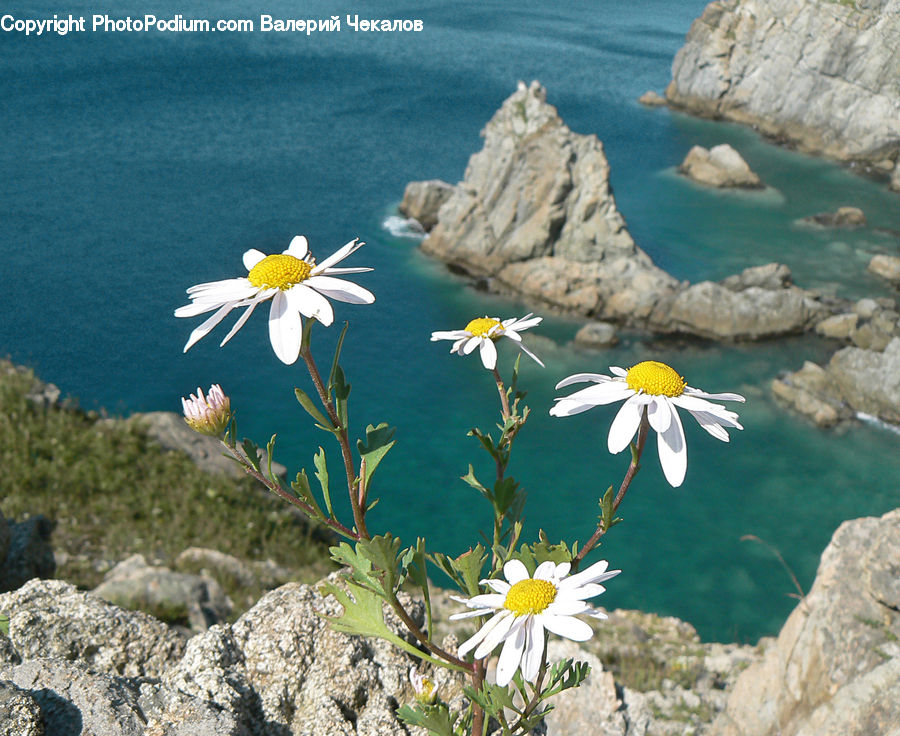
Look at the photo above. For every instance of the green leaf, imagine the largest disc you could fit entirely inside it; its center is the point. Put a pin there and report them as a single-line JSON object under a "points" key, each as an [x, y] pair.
{"points": [[607, 518], [565, 675], [379, 440], [445, 565], [436, 719], [307, 403], [251, 450], [270, 450], [322, 475], [469, 565], [363, 615], [382, 552], [304, 493], [337, 357], [486, 441], [4, 624], [341, 396], [505, 494], [413, 563], [476, 484]]}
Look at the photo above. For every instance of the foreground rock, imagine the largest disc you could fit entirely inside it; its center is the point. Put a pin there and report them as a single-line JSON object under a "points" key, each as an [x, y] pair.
{"points": [[720, 166], [835, 668], [797, 70], [535, 217]]}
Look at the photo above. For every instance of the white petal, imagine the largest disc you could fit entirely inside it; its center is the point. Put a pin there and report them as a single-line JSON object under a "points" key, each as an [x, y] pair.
{"points": [[243, 318], [659, 412], [498, 586], [581, 378], [473, 343], [339, 255], [545, 570], [470, 614], [625, 425], [720, 413], [673, 452], [285, 328], [711, 425], [310, 303], [487, 600], [299, 247], [570, 628], [524, 323], [488, 353], [531, 355], [582, 592], [223, 291], [594, 574], [566, 608], [566, 408], [562, 569], [343, 291], [514, 336], [448, 335], [204, 329], [479, 635], [252, 257], [457, 347], [343, 271], [534, 649], [718, 397], [497, 634], [601, 394], [616, 371], [510, 656], [515, 571]]}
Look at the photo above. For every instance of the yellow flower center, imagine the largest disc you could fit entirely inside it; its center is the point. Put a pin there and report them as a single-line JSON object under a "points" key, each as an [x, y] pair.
{"points": [[280, 271], [482, 326], [655, 378], [529, 596]]}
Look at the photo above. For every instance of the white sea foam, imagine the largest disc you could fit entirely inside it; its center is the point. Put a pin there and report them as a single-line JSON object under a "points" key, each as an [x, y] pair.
{"points": [[875, 421], [402, 227]]}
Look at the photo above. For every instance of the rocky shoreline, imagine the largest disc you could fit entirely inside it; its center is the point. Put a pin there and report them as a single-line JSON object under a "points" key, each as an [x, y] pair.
{"points": [[535, 217], [820, 75]]}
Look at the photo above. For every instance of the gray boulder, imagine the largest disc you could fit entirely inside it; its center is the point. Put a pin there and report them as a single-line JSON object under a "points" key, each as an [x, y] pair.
{"points": [[175, 597], [597, 335], [423, 199], [720, 166], [799, 71], [846, 217], [887, 267], [51, 618], [869, 381], [812, 393], [20, 714], [835, 667]]}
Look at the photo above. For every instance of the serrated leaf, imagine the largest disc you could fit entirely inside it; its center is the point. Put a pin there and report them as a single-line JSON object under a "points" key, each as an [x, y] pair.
{"points": [[379, 440], [322, 475], [307, 403], [504, 494], [469, 565], [436, 719], [270, 451], [413, 563], [444, 564], [476, 484], [304, 493], [381, 551], [486, 441]]}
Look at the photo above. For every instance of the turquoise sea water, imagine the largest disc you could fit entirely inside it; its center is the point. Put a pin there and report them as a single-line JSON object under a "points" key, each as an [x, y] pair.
{"points": [[135, 165]]}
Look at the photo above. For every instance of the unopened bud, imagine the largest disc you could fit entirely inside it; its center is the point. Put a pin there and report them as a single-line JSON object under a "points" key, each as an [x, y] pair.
{"points": [[208, 414], [423, 687]]}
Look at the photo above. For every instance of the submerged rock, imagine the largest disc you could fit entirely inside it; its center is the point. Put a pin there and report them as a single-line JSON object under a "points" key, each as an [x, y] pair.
{"points": [[651, 98], [597, 335], [720, 166], [847, 217], [799, 71]]}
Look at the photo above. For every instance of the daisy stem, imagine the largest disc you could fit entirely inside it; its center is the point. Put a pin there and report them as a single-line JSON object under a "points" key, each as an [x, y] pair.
{"points": [[536, 695], [291, 499], [623, 489], [504, 401], [343, 439], [424, 640], [478, 721]]}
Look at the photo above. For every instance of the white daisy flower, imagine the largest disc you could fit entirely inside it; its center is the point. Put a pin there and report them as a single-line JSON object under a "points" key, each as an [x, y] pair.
{"points": [[295, 283], [483, 332], [660, 389], [524, 607]]}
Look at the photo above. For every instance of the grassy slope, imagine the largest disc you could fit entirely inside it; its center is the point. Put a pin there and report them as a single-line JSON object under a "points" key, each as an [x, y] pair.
{"points": [[112, 492]]}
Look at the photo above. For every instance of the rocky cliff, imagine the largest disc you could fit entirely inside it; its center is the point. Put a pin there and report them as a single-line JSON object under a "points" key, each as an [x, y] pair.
{"points": [[823, 75], [535, 216]]}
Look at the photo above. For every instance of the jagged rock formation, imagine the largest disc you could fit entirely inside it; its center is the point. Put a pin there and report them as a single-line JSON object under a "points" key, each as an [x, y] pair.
{"points": [[720, 166], [819, 74], [535, 216], [864, 377], [835, 668]]}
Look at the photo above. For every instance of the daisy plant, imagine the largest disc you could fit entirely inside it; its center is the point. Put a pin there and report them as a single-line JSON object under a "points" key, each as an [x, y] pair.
{"points": [[520, 592]]}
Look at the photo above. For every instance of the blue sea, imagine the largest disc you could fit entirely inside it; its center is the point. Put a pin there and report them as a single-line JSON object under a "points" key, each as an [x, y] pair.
{"points": [[133, 165]]}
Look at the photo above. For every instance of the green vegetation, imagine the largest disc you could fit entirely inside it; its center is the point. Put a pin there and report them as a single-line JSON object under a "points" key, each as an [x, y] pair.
{"points": [[111, 492]]}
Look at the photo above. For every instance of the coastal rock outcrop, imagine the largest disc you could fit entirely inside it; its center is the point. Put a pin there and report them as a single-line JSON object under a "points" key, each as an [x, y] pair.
{"points": [[841, 217], [720, 166], [535, 217], [821, 75], [423, 199], [835, 667], [887, 267]]}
